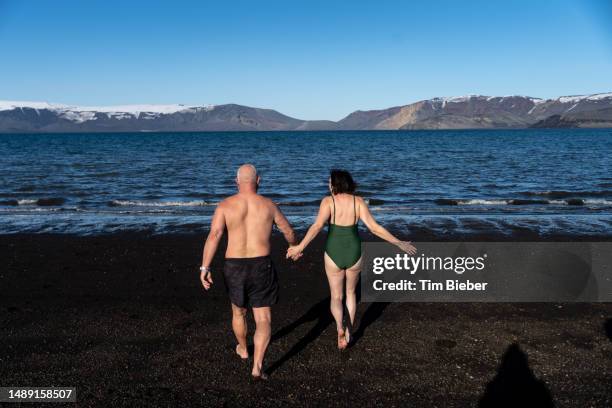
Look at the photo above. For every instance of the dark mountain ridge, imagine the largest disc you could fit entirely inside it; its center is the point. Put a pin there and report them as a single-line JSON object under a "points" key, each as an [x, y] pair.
{"points": [[464, 112]]}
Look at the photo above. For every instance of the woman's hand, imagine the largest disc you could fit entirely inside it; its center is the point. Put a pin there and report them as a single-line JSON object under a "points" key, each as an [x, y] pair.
{"points": [[295, 252], [407, 247]]}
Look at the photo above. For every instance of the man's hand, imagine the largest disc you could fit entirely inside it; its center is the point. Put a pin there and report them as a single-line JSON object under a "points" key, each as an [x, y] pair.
{"points": [[206, 278], [407, 247], [294, 252]]}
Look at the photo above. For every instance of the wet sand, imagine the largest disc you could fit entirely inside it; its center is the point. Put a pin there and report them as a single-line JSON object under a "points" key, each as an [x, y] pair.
{"points": [[125, 320]]}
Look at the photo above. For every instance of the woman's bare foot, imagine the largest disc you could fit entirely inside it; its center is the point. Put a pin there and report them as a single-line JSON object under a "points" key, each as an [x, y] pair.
{"points": [[347, 336], [242, 352], [342, 343], [261, 377], [257, 373]]}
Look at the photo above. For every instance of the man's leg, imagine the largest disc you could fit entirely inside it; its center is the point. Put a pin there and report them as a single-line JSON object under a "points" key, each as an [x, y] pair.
{"points": [[263, 322], [239, 325]]}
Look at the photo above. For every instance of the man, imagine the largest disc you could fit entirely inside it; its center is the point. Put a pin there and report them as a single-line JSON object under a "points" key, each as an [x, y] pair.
{"points": [[249, 274]]}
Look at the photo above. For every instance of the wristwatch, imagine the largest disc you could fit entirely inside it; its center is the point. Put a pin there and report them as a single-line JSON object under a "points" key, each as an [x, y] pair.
{"points": [[204, 269]]}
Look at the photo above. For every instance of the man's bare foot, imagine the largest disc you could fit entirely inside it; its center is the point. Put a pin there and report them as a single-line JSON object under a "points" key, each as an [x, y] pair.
{"points": [[342, 343], [242, 352]]}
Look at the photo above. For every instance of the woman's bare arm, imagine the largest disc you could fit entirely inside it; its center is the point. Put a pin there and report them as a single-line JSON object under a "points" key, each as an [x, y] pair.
{"points": [[313, 231], [366, 216]]}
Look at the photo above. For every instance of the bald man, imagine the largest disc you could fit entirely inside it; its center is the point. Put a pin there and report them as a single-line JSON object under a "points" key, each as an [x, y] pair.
{"points": [[249, 274]]}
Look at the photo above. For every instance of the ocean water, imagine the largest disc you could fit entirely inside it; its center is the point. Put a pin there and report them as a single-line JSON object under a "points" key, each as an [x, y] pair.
{"points": [[438, 182]]}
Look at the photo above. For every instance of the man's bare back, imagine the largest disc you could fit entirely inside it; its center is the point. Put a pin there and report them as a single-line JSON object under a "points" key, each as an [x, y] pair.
{"points": [[248, 218]]}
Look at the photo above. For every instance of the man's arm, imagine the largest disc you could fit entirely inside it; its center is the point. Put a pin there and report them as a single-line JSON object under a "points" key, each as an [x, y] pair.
{"points": [[283, 225], [217, 228]]}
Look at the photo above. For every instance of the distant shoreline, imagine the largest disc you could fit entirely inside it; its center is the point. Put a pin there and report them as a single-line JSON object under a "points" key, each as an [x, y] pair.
{"points": [[253, 131], [464, 112], [366, 236]]}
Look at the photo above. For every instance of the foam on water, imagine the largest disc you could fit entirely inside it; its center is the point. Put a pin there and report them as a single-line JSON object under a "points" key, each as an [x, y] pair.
{"points": [[131, 203], [442, 182]]}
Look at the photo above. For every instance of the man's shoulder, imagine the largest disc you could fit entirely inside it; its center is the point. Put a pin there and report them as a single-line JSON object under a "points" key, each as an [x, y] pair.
{"points": [[266, 200], [228, 201], [237, 198]]}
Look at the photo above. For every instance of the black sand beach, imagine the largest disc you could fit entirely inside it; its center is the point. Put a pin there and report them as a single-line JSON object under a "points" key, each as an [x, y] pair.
{"points": [[125, 320]]}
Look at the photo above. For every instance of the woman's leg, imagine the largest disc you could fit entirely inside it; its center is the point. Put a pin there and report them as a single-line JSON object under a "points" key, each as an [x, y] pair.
{"points": [[335, 277], [352, 278]]}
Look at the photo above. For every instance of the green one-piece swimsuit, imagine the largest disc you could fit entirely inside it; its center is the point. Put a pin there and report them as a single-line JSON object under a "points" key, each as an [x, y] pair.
{"points": [[343, 243]]}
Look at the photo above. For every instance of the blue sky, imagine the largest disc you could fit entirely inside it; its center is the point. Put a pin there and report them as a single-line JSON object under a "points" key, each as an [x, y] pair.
{"points": [[309, 59]]}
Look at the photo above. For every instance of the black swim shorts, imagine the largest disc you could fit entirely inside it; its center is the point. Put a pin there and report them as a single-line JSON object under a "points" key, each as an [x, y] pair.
{"points": [[251, 282]]}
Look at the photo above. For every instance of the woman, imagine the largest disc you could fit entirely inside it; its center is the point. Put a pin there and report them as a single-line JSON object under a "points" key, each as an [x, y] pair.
{"points": [[343, 210]]}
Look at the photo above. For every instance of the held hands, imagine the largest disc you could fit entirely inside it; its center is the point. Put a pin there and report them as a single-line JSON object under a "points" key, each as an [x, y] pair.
{"points": [[294, 252], [206, 278], [407, 247]]}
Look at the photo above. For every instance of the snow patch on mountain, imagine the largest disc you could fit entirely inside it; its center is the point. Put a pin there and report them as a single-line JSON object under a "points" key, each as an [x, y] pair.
{"points": [[78, 117], [10, 105], [80, 114], [580, 98]]}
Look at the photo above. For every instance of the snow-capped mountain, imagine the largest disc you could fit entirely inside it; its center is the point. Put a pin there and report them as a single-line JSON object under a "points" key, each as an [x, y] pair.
{"points": [[463, 112], [488, 112], [26, 117]]}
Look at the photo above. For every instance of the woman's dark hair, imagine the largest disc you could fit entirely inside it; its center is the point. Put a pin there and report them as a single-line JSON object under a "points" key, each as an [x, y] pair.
{"points": [[342, 182]]}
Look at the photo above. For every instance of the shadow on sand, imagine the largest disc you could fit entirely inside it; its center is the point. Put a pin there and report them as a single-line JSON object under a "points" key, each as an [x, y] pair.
{"points": [[515, 384], [372, 313], [320, 312], [608, 328]]}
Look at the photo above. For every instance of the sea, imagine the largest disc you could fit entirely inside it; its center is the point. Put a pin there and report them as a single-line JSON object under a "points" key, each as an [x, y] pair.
{"points": [[439, 183]]}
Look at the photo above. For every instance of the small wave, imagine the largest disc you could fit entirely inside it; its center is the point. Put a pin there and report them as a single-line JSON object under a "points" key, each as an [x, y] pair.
{"points": [[482, 202], [42, 202], [9, 202], [369, 201], [572, 201], [449, 201], [598, 202], [144, 212], [200, 195], [49, 202], [568, 194], [131, 203], [528, 202], [393, 209], [569, 201], [36, 210], [298, 203], [446, 201]]}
